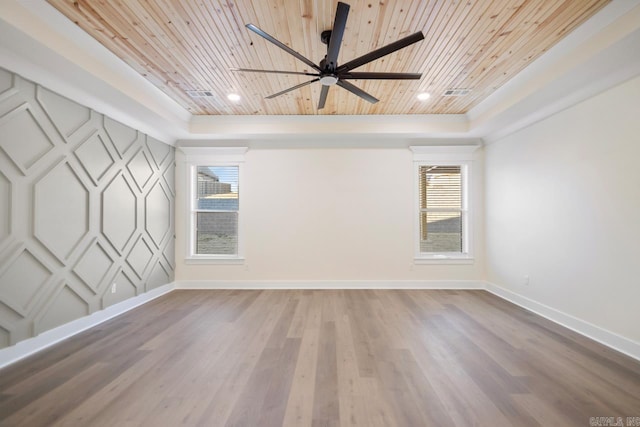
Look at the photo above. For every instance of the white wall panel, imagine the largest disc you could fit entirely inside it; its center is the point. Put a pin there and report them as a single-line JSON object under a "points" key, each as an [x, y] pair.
{"points": [[60, 210], [66, 115], [125, 289], [140, 169], [95, 157], [5, 208], [119, 212], [122, 136], [158, 214], [20, 279], [85, 203], [18, 125], [94, 265]]}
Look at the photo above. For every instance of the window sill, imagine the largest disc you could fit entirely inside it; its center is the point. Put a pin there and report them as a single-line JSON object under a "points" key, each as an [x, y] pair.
{"points": [[443, 259], [214, 261]]}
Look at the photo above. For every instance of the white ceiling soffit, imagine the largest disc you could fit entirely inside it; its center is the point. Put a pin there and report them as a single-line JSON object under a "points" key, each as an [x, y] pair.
{"points": [[601, 53], [39, 43]]}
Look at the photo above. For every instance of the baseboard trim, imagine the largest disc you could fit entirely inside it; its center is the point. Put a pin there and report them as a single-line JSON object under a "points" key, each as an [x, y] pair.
{"points": [[330, 284], [610, 339], [48, 338]]}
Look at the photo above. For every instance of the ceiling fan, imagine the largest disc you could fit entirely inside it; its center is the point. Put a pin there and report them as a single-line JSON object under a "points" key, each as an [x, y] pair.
{"points": [[328, 72]]}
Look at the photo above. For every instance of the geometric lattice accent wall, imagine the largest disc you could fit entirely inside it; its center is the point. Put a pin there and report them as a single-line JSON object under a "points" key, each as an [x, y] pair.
{"points": [[85, 203]]}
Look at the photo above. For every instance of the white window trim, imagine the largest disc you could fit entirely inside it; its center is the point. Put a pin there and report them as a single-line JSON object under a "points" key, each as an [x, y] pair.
{"points": [[211, 156], [451, 155]]}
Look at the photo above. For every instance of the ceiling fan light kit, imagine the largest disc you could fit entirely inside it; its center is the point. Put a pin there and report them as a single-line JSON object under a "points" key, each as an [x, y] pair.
{"points": [[329, 79], [328, 72]]}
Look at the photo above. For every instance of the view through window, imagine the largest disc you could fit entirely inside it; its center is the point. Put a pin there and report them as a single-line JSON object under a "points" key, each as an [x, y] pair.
{"points": [[217, 210]]}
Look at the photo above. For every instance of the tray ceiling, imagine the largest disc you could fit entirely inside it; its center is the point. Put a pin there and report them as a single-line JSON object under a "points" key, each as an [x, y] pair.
{"points": [[182, 46]]}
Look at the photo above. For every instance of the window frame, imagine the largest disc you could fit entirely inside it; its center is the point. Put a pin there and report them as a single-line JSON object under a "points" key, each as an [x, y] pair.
{"points": [[211, 156], [456, 155]]}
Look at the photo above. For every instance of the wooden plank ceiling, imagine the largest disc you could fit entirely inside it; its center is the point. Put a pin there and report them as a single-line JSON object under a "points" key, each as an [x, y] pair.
{"points": [[182, 45]]}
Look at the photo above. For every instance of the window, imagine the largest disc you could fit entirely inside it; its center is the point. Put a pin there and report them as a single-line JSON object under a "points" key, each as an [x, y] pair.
{"points": [[214, 204], [442, 214], [441, 211], [216, 210]]}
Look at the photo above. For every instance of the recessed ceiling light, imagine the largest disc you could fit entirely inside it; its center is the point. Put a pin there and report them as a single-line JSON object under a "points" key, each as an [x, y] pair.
{"points": [[233, 97], [423, 96]]}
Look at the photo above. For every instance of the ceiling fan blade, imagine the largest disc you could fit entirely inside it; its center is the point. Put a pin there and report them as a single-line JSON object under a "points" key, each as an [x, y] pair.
{"points": [[379, 53], [282, 46], [323, 97], [291, 88], [251, 70], [357, 91], [381, 76], [340, 22]]}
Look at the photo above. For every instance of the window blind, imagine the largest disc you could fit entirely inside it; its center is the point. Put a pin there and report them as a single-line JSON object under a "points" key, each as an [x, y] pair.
{"points": [[441, 208]]}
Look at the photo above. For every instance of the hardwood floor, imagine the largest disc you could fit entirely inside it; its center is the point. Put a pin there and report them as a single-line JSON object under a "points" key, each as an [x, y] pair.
{"points": [[322, 358]]}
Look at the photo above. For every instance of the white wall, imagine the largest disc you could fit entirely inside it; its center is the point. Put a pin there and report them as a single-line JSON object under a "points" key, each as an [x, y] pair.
{"points": [[327, 214], [563, 206]]}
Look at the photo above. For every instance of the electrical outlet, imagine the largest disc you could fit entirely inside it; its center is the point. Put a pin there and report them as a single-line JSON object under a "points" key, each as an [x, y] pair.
{"points": [[113, 288], [525, 281]]}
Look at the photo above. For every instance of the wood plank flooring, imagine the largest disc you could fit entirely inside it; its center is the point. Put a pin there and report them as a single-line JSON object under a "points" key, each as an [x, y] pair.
{"points": [[322, 358]]}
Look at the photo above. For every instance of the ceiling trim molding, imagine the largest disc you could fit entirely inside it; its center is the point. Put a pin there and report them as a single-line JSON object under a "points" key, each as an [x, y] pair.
{"points": [[225, 154], [422, 153], [213, 127]]}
